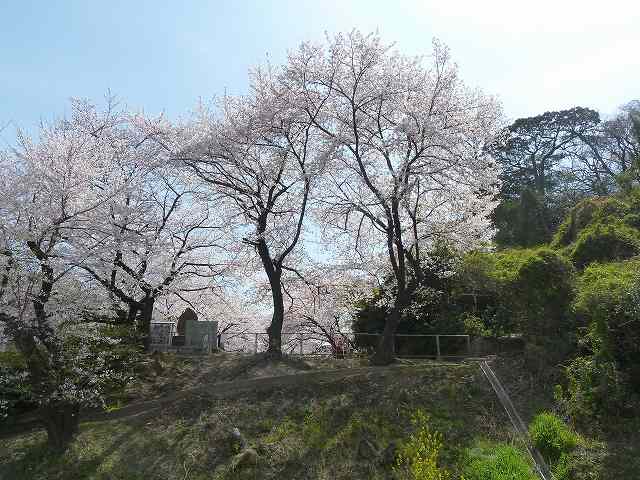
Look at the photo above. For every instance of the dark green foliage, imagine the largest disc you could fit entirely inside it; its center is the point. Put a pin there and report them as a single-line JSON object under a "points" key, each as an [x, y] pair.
{"points": [[526, 291], [544, 289], [594, 389], [606, 306], [586, 212], [536, 189], [100, 362], [608, 301], [601, 230], [369, 317], [632, 220], [521, 222], [552, 437], [15, 391], [532, 287], [430, 309], [484, 289]]}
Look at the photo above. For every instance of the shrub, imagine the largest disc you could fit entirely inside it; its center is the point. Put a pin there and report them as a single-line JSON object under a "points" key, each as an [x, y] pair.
{"points": [[15, 392], [594, 387], [500, 462], [608, 301], [485, 286], [544, 286], [599, 243], [529, 290], [552, 437], [632, 220], [579, 217], [473, 325], [417, 458], [585, 213], [585, 462]]}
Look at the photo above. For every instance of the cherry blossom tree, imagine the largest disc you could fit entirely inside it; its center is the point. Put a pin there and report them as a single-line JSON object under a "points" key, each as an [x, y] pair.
{"points": [[260, 159], [319, 306], [52, 192], [409, 164], [164, 240]]}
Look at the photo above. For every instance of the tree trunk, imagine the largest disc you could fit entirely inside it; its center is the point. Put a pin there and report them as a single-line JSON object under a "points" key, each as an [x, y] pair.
{"points": [[275, 329], [61, 420], [132, 313], [144, 324], [385, 351], [274, 273]]}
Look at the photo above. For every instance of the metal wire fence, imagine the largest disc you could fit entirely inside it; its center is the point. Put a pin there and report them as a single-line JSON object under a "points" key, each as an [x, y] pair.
{"points": [[304, 343]]}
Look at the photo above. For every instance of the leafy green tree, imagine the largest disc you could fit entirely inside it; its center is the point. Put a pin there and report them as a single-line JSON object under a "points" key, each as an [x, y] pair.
{"points": [[521, 221], [430, 308], [533, 153]]}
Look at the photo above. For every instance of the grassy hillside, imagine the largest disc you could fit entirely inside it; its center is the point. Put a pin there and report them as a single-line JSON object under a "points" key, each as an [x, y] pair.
{"points": [[321, 423]]}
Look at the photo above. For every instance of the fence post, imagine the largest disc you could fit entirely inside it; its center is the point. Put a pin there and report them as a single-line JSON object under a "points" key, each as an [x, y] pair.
{"points": [[255, 343], [300, 340], [438, 346], [469, 345]]}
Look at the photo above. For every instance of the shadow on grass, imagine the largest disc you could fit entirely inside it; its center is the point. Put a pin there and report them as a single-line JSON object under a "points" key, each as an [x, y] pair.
{"points": [[99, 452]]}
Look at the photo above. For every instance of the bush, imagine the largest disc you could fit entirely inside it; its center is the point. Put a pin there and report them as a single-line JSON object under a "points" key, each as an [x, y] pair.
{"points": [[600, 243], [552, 437], [608, 302], [585, 462], [474, 325], [525, 290], [15, 392], [588, 212], [545, 289], [501, 462], [579, 217], [485, 289], [594, 388]]}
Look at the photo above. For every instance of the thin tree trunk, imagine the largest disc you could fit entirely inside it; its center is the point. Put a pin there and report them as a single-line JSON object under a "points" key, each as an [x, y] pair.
{"points": [[133, 313], [61, 420], [274, 274], [385, 353], [274, 331], [144, 324]]}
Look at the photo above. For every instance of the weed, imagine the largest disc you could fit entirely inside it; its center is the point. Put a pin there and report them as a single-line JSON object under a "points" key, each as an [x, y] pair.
{"points": [[418, 456], [497, 462], [552, 437]]}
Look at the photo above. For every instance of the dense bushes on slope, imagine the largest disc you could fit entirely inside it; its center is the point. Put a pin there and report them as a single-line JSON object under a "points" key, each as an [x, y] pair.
{"points": [[608, 301], [605, 243], [531, 288], [601, 230]]}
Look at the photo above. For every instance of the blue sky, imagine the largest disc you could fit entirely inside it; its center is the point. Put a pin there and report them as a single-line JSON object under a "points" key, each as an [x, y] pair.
{"points": [[162, 56]]}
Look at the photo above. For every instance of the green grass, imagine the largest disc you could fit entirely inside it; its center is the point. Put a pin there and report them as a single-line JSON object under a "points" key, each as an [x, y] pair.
{"points": [[338, 429], [348, 426], [487, 461]]}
